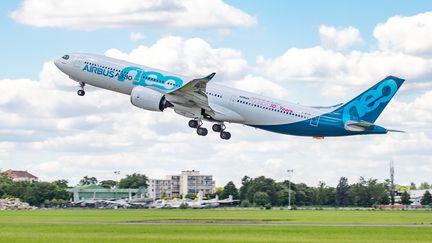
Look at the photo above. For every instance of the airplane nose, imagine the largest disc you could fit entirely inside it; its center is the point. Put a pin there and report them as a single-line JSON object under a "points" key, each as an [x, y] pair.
{"points": [[57, 63], [61, 62]]}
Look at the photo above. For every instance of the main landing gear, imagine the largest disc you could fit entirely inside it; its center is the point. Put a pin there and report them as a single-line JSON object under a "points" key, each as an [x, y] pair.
{"points": [[197, 123], [221, 129], [81, 91]]}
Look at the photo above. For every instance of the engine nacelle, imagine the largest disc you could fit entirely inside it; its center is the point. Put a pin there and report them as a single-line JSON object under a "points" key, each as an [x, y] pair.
{"points": [[148, 99]]}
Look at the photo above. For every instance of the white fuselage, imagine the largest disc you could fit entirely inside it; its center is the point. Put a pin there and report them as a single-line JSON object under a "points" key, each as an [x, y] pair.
{"points": [[231, 105]]}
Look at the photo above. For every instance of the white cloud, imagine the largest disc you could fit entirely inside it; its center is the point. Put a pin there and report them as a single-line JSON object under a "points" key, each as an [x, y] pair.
{"points": [[192, 57], [259, 85], [340, 72], [52, 78], [136, 36], [411, 35], [338, 39], [302, 64], [97, 14], [5, 147]]}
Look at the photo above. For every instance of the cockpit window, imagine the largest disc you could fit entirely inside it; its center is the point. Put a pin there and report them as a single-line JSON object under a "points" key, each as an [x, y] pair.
{"points": [[65, 57]]}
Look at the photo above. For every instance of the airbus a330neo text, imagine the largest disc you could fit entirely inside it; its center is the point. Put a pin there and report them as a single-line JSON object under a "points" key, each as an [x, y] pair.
{"points": [[201, 100]]}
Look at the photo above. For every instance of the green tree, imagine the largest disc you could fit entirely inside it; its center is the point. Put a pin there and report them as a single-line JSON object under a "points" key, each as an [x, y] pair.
{"points": [[245, 188], [424, 186], [413, 186], [303, 195], [61, 183], [426, 199], [342, 198], [259, 184], [86, 180], [323, 194], [282, 196], [133, 181], [245, 203], [405, 198], [261, 198], [38, 192], [108, 183], [34, 193], [230, 189], [370, 192], [5, 186], [219, 191]]}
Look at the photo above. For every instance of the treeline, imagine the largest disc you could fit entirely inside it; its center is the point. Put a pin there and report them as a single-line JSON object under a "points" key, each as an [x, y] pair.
{"points": [[134, 180], [259, 191], [36, 193], [263, 191], [54, 194]]}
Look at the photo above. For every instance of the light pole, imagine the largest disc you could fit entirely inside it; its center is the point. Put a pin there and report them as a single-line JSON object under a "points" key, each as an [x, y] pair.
{"points": [[289, 188], [117, 172]]}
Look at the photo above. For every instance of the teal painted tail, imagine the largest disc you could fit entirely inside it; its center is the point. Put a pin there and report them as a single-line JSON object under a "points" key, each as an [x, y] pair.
{"points": [[369, 105]]}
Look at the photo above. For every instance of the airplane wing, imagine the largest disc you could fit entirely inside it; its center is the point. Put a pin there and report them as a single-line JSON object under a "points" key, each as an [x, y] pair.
{"points": [[192, 95]]}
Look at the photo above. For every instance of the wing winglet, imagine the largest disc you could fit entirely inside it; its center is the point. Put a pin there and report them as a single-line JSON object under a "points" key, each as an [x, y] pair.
{"points": [[210, 76]]}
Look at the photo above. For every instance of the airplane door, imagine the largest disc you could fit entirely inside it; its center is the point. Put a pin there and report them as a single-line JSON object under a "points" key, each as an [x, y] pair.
{"points": [[78, 62], [314, 121], [233, 100]]}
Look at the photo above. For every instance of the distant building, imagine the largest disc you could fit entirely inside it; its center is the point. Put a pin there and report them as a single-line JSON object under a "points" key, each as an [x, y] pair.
{"points": [[417, 195], [101, 193], [20, 175], [188, 182], [160, 188]]}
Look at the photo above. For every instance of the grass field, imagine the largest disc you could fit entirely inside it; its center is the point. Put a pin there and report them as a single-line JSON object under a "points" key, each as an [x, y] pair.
{"points": [[249, 226]]}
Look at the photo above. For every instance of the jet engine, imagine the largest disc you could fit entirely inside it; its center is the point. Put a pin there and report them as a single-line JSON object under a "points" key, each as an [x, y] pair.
{"points": [[148, 99]]}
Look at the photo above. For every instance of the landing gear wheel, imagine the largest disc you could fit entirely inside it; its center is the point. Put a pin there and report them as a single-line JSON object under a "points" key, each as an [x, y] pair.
{"points": [[193, 124], [81, 92], [202, 131], [217, 128], [225, 135]]}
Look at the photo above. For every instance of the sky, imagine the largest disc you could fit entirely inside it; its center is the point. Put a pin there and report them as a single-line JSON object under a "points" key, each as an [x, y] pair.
{"points": [[307, 52]]}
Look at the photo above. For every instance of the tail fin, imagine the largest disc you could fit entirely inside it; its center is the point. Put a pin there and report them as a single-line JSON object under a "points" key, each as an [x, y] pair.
{"points": [[369, 105]]}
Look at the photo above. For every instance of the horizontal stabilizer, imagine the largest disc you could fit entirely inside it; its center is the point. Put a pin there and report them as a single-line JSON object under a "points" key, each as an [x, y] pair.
{"points": [[356, 126], [327, 107], [393, 130]]}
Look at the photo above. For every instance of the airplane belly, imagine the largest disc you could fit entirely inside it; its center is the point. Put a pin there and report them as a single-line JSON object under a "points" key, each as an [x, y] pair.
{"points": [[107, 83], [225, 114]]}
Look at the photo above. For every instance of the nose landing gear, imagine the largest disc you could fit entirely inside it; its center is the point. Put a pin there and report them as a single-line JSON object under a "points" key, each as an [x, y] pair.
{"points": [[81, 91]]}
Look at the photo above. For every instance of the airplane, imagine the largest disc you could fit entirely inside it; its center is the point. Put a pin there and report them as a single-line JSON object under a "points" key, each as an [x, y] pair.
{"points": [[201, 100], [198, 202]]}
